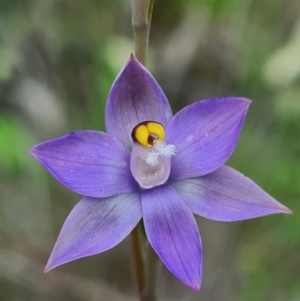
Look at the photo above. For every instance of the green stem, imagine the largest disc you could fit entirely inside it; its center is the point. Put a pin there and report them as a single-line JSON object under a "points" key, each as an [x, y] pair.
{"points": [[145, 270], [137, 260], [141, 22], [150, 11], [151, 268], [145, 265]]}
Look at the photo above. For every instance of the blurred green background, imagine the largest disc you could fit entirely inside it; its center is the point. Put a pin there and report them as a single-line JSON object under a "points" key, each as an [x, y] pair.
{"points": [[58, 59]]}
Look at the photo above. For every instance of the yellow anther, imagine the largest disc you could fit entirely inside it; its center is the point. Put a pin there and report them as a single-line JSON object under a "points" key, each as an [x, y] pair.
{"points": [[147, 132], [156, 128], [141, 135]]}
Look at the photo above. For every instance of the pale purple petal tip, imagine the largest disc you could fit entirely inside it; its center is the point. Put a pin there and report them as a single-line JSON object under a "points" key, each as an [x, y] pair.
{"points": [[205, 135], [227, 195], [134, 97], [173, 233], [90, 163], [94, 226]]}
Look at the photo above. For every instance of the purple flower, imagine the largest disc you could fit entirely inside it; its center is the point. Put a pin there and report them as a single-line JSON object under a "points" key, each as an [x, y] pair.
{"points": [[156, 166]]}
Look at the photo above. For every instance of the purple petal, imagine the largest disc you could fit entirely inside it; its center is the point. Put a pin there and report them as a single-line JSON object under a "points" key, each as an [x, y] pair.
{"points": [[134, 97], [95, 225], [227, 195], [88, 162], [173, 233], [205, 134]]}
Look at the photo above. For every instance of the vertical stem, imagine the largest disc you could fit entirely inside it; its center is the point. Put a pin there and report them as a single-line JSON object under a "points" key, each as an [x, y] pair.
{"points": [[145, 267], [141, 22], [151, 267], [145, 271], [137, 261]]}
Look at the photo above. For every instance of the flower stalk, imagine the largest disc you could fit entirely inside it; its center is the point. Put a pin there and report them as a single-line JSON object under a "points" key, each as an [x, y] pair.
{"points": [[141, 22], [151, 268], [137, 261], [145, 269]]}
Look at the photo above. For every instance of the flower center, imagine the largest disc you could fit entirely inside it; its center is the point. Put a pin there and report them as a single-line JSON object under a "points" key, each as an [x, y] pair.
{"points": [[150, 161]]}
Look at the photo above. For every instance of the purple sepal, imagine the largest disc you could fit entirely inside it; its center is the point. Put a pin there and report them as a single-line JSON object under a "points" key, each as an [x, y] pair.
{"points": [[227, 195], [134, 97], [205, 135], [90, 163], [173, 233], [95, 225]]}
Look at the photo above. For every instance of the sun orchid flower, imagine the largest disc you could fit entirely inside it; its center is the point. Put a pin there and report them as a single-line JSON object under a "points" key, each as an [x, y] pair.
{"points": [[153, 166]]}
